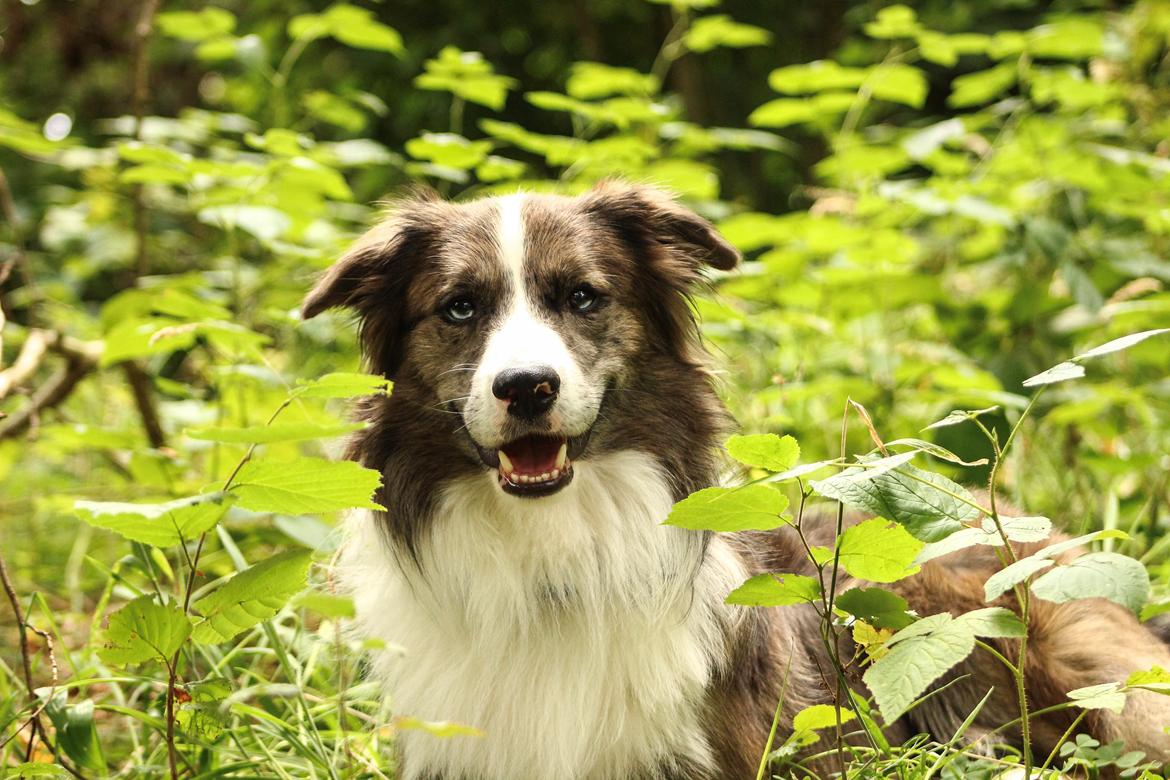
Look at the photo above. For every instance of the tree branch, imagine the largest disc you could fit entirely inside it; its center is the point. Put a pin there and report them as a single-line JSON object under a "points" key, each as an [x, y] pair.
{"points": [[140, 386], [81, 358]]}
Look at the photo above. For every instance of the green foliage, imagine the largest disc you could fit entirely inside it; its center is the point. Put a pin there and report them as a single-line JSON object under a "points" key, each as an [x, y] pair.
{"points": [[253, 595], [934, 208]]}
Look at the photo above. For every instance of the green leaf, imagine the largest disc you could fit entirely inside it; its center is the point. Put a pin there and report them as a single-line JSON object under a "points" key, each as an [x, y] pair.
{"points": [[144, 630], [342, 385], [276, 432], [918, 655], [1010, 576], [820, 716], [710, 32], [35, 770], [776, 590], [76, 734], [326, 604], [752, 507], [975, 88], [304, 486], [993, 622], [593, 80], [1058, 373], [160, 525], [895, 21], [466, 75], [880, 608], [353, 26], [929, 505], [1125, 342], [1105, 575], [878, 550], [1106, 696], [815, 77], [253, 595], [448, 149], [1017, 529], [765, 451], [898, 84], [209, 22]]}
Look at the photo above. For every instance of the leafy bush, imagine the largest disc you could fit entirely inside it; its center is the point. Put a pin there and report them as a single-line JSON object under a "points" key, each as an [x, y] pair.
{"points": [[934, 211]]}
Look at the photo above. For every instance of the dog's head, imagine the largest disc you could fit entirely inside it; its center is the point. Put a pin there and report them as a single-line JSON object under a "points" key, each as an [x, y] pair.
{"points": [[528, 320]]}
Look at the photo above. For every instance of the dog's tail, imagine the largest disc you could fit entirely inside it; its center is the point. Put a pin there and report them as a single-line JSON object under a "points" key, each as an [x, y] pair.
{"points": [[1159, 626]]}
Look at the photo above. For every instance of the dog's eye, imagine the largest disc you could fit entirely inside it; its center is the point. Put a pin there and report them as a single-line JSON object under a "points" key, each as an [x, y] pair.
{"points": [[459, 310], [583, 298]]}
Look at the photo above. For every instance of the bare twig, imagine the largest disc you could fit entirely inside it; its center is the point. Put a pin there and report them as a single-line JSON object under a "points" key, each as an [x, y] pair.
{"points": [[80, 359], [139, 382]]}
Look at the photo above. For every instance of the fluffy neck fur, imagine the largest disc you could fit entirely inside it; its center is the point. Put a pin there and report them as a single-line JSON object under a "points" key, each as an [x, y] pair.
{"points": [[576, 631]]}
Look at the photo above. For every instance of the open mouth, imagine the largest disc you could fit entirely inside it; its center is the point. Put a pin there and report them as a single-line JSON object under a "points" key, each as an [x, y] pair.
{"points": [[532, 465]]}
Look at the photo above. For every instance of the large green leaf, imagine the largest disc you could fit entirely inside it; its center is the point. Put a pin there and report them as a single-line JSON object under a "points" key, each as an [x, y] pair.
{"points": [[752, 507], [1105, 575], [161, 525], [144, 630], [304, 486], [930, 506], [253, 595], [880, 608], [342, 385], [918, 655], [879, 551], [1010, 576], [765, 451], [776, 590]]}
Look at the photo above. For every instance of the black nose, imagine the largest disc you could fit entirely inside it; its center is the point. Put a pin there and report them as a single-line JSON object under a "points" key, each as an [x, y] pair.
{"points": [[529, 391]]}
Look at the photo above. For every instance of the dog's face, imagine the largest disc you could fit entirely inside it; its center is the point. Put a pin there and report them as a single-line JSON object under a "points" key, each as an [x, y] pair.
{"points": [[519, 316]]}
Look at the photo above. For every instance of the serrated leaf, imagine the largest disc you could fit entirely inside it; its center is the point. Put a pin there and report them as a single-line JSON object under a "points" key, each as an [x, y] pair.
{"points": [[764, 450], [1125, 342], [1107, 696], [1058, 373], [918, 655], [930, 506], [880, 608], [144, 630], [342, 385], [1017, 529], [276, 432], [1104, 575], [752, 507], [993, 622], [878, 550], [253, 595], [305, 486], [1010, 576], [159, 525], [776, 590]]}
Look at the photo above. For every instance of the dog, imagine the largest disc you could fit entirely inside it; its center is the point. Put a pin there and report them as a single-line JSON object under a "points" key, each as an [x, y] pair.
{"points": [[552, 400]]}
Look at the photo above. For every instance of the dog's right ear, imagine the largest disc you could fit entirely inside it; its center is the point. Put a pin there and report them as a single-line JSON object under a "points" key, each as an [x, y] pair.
{"points": [[372, 279]]}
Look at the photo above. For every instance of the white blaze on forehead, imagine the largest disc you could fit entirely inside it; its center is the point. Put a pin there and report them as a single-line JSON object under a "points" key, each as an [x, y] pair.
{"points": [[510, 238]]}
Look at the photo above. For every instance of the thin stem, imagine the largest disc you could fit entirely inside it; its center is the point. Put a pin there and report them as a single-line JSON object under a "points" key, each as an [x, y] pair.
{"points": [[775, 720], [1063, 738]]}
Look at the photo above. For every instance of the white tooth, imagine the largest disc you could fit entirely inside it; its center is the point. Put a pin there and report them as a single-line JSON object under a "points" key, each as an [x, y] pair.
{"points": [[505, 464], [554, 473], [545, 477], [562, 454]]}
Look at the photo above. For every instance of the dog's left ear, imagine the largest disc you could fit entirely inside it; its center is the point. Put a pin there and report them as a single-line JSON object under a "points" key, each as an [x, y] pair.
{"points": [[648, 216]]}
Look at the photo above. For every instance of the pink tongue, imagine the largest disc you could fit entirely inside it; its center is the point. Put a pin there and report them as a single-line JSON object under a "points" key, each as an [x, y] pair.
{"points": [[533, 454]]}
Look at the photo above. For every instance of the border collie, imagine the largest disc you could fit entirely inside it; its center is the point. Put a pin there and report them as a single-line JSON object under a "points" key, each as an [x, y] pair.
{"points": [[551, 402]]}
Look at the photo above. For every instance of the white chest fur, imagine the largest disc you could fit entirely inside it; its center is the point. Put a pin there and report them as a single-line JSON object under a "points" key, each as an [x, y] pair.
{"points": [[576, 631]]}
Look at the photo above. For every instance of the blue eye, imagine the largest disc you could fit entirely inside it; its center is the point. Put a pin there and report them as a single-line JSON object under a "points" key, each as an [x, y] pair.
{"points": [[583, 298], [459, 310]]}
